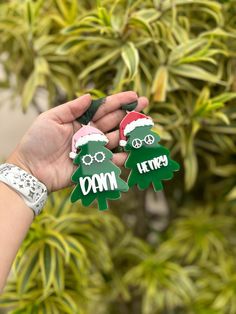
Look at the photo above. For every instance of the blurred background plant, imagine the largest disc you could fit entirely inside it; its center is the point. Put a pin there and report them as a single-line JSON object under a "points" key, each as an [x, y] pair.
{"points": [[166, 253]]}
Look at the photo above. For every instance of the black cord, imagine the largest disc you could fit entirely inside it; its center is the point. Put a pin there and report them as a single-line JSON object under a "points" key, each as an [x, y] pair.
{"points": [[96, 103]]}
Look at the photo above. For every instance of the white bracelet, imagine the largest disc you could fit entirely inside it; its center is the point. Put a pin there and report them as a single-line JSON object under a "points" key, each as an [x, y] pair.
{"points": [[33, 192]]}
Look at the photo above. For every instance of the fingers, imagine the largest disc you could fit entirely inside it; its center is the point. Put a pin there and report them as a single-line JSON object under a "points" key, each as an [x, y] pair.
{"points": [[110, 121], [113, 119], [119, 159], [114, 102], [113, 139], [71, 110], [142, 103]]}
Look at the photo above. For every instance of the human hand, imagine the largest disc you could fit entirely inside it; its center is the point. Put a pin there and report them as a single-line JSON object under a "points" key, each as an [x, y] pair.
{"points": [[44, 149]]}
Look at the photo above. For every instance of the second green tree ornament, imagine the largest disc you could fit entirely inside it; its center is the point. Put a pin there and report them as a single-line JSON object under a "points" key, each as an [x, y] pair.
{"points": [[149, 161]]}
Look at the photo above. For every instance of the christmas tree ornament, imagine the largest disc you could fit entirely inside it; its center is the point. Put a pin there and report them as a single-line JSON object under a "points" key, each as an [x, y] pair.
{"points": [[149, 161], [97, 177]]}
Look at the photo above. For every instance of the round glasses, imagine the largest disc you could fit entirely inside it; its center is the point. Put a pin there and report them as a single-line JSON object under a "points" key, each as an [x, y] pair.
{"points": [[148, 139], [88, 159]]}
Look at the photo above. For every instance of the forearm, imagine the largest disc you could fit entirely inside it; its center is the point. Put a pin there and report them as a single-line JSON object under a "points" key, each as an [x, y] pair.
{"points": [[15, 220]]}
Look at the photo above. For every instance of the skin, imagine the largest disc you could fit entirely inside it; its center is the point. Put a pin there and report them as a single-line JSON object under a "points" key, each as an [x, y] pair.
{"points": [[43, 152]]}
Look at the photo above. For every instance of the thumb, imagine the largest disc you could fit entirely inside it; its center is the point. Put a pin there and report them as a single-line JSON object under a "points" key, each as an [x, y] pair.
{"points": [[71, 110]]}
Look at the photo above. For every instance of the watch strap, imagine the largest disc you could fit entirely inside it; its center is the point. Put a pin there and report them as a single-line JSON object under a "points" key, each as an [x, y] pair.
{"points": [[26, 185]]}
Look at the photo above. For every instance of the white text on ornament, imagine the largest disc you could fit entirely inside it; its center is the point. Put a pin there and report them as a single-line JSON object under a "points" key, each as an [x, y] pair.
{"points": [[152, 164], [98, 183]]}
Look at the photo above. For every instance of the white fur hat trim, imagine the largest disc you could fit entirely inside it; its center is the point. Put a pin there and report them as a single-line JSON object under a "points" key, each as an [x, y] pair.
{"points": [[89, 138], [134, 124]]}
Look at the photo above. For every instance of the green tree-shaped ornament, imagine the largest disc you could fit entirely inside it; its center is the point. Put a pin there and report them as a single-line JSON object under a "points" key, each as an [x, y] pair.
{"points": [[97, 177], [149, 161]]}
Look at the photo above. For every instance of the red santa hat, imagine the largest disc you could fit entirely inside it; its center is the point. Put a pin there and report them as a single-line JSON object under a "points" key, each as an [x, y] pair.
{"points": [[86, 134], [130, 122]]}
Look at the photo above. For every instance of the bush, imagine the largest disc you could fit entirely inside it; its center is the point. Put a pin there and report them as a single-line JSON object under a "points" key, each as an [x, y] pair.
{"points": [[172, 252]]}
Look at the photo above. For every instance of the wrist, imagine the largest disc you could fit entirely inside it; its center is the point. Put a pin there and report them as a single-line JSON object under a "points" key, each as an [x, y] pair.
{"points": [[16, 159]]}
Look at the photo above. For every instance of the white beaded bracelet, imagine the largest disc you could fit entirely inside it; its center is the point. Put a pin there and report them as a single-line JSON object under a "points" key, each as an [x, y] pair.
{"points": [[33, 192]]}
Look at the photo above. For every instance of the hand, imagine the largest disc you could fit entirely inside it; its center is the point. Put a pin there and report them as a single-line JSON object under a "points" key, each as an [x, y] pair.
{"points": [[44, 149]]}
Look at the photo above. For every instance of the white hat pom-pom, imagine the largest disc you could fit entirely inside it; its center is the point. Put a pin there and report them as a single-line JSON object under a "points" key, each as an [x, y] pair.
{"points": [[72, 155], [122, 143]]}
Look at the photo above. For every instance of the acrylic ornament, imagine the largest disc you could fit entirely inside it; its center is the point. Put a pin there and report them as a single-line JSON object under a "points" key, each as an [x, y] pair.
{"points": [[149, 161], [97, 177]]}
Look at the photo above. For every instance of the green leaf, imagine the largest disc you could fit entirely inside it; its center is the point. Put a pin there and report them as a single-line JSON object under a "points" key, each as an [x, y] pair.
{"points": [[159, 87], [29, 90], [104, 16], [56, 240], [81, 41], [138, 23], [59, 282], [47, 260], [232, 194], [8, 299], [66, 303], [194, 72], [79, 28], [42, 41], [71, 43], [224, 97], [185, 49], [41, 66], [29, 10], [100, 62], [147, 15], [76, 248], [28, 269], [130, 57], [222, 117], [190, 158], [63, 9]]}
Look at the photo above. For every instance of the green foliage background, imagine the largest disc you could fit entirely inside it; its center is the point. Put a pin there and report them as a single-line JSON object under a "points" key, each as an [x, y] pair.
{"points": [[169, 254]]}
